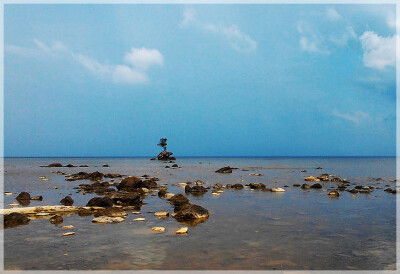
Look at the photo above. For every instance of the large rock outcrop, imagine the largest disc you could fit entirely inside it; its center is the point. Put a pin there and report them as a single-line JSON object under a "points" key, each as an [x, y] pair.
{"points": [[165, 156]]}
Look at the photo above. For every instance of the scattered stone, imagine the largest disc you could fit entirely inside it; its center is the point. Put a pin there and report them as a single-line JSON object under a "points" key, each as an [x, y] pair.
{"points": [[393, 191], [175, 165], [218, 186], [111, 212], [169, 195], [13, 204], [83, 166], [303, 170], [100, 202], [56, 219], [112, 175], [42, 214], [161, 214], [318, 167], [336, 179], [256, 185], [55, 165], [107, 220], [191, 212], [67, 201], [181, 231], [323, 177], [317, 185], [68, 234], [215, 194], [23, 196], [70, 165], [15, 219], [37, 198], [106, 165], [158, 229], [305, 186], [256, 174], [277, 190], [333, 193], [140, 219], [67, 227], [226, 169], [237, 186], [296, 185], [311, 179], [127, 198], [162, 193], [195, 189]]}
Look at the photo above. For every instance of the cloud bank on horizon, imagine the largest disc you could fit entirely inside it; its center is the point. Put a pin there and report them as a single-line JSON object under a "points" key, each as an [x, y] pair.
{"points": [[332, 65]]}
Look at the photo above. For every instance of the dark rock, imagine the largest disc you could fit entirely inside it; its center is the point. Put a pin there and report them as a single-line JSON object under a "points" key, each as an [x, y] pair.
{"points": [[353, 190], [106, 165], [166, 166], [55, 165], [333, 193], [256, 185], [323, 177], [100, 202], [336, 179], [83, 166], [110, 175], [165, 156], [228, 186], [56, 219], [237, 186], [179, 199], [36, 198], [358, 187], [319, 167], [226, 169], [393, 191], [149, 183], [317, 185], [162, 193], [23, 196], [70, 165], [129, 183], [111, 212], [195, 189], [15, 219], [218, 186], [175, 165], [303, 170], [67, 201], [152, 159], [95, 176], [193, 212], [305, 186], [127, 198], [296, 185]]}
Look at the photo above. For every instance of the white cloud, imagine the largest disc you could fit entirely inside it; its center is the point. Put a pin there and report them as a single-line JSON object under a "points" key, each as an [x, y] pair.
{"points": [[355, 118], [379, 52], [309, 40], [138, 60], [238, 40], [144, 58], [332, 14]]}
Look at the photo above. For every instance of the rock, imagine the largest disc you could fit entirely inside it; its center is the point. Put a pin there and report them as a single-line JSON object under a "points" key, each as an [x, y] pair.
{"points": [[318, 167], [8, 193], [226, 169], [175, 165], [277, 189], [100, 202], [195, 189], [36, 198], [215, 193], [323, 177], [333, 193], [181, 231], [165, 156], [166, 166], [218, 186], [169, 195], [393, 191], [70, 165], [162, 193], [42, 214], [128, 183], [23, 196], [353, 190], [112, 175], [365, 190], [256, 185], [179, 199], [256, 174], [161, 214], [67, 201], [15, 219], [149, 183], [296, 185], [158, 229], [13, 204], [68, 234], [140, 219], [311, 179], [106, 165], [237, 186], [305, 186], [67, 227], [83, 166], [127, 198], [152, 159], [111, 212], [94, 176], [55, 165], [191, 212], [303, 170], [336, 179], [358, 187], [317, 185], [56, 219], [107, 220]]}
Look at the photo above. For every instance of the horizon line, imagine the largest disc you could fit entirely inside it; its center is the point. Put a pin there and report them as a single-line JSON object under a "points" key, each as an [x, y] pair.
{"points": [[280, 156]]}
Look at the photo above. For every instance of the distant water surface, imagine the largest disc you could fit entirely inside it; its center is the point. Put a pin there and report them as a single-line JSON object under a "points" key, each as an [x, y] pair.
{"points": [[247, 229]]}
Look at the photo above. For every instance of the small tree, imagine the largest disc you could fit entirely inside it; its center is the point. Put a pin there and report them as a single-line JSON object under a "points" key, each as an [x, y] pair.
{"points": [[163, 143]]}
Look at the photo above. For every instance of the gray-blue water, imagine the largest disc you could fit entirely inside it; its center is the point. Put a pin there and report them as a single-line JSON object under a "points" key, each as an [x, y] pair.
{"points": [[247, 229]]}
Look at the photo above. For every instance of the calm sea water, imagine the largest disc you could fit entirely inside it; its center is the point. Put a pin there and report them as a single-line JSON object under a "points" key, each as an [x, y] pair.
{"points": [[247, 229]]}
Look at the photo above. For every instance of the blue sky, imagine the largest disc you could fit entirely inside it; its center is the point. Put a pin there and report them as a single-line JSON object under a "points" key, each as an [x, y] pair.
{"points": [[216, 80]]}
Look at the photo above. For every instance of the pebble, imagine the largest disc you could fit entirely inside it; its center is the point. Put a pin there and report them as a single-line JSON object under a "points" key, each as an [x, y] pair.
{"points": [[220, 191], [256, 174], [107, 220], [169, 195], [8, 193], [140, 219], [161, 214], [277, 190], [68, 234], [182, 230], [67, 227], [136, 212], [215, 194], [13, 204], [158, 229]]}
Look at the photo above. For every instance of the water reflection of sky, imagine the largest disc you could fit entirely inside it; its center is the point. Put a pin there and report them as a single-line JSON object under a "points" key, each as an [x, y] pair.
{"points": [[247, 229]]}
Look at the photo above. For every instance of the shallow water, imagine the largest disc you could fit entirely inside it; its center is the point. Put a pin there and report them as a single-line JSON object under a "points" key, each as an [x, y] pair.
{"points": [[247, 229]]}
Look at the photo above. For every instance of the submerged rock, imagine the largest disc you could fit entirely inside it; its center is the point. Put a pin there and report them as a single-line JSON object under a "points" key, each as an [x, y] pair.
{"points": [[161, 214], [237, 186], [68, 234], [107, 220], [305, 186], [256, 185], [111, 212], [15, 219], [323, 177], [162, 193], [311, 179], [296, 185], [195, 189], [127, 198], [56, 219], [100, 202], [158, 229], [317, 185], [112, 175], [277, 190], [333, 193], [181, 231], [393, 191], [55, 165], [67, 201]]}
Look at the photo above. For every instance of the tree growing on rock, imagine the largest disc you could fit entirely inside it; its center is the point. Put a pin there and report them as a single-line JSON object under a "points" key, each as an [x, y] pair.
{"points": [[163, 143]]}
